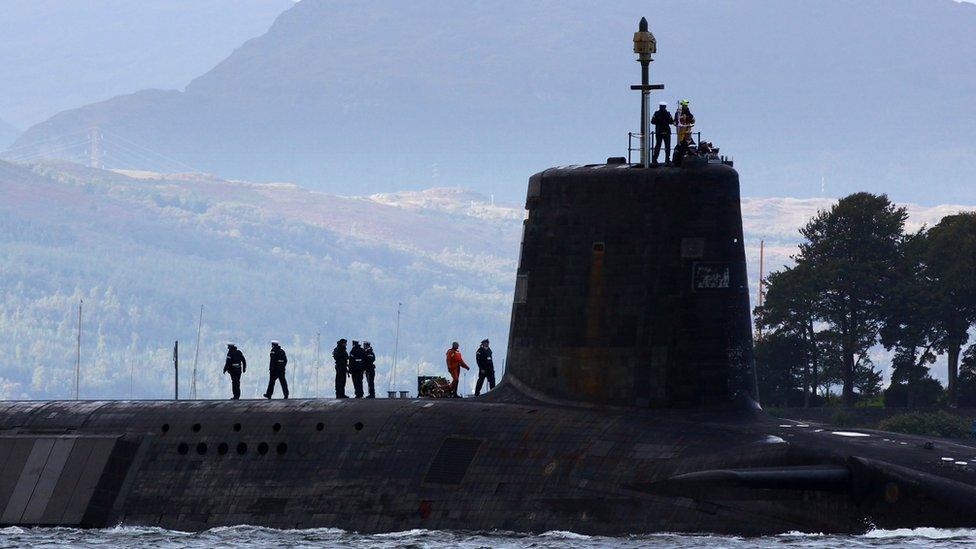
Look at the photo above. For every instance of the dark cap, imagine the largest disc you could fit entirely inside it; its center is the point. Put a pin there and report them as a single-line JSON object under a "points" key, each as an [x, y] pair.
{"points": [[484, 341], [341, 341]]}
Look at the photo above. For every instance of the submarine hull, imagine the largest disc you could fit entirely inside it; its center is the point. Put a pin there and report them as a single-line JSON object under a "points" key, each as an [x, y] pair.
{"points": [[503, 463], [628, 406]]}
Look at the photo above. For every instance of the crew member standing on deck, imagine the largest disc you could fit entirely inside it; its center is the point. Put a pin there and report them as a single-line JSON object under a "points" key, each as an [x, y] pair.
{"points": [[370, 369], [276, 368], [235, 365], [454, 364], [486, 368], [357, 362], [341, 366]]}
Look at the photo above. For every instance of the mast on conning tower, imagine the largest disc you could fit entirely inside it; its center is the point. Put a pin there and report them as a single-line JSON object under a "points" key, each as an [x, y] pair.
{"points": [[644, 46]]}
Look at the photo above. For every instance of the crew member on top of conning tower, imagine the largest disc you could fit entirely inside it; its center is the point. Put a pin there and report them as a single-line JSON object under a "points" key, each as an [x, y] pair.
{"points": [[276, 369], [235, 365], [662, 121], [681, 151], [684, 120], [454, 364]]}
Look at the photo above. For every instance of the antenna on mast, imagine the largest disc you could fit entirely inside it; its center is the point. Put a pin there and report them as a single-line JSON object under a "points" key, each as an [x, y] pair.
{"points": [[762, 271], [318, 348], [762, 274], [94, 152], [396, 347], [78, 352], [644, 46], [176, 370], [196, 356]]}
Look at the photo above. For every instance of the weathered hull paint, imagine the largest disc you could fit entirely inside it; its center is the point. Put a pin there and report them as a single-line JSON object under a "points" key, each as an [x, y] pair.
{"points": [[480, 464]]}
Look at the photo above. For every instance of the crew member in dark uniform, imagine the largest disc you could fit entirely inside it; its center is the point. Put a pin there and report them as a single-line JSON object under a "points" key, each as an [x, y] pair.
{"points": [[235, 365], [662, 121], [486, 368], [341, 357], [357, 363], [277, 369], [370, 369], [681, 151]]}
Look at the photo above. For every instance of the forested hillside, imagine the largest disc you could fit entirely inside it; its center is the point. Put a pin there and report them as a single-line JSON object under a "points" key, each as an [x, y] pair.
{"points": [[266, 261], [145, 251]]}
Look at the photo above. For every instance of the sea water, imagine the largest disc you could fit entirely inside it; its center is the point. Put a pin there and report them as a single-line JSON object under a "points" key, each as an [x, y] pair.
{"points": [[256, 537]]}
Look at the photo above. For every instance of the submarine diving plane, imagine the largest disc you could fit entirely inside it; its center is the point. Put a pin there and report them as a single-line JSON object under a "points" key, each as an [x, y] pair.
{"points": [[628, 406]]}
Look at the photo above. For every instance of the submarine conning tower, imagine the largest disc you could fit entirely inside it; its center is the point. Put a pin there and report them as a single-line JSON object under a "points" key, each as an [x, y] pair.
{"points": [[631, 287]]}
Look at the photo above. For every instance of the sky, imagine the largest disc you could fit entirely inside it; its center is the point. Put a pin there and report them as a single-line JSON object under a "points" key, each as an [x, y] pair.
{"points": [[309, 100]]}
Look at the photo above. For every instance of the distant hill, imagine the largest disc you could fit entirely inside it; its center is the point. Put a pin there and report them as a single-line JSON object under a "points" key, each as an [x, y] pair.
{"points": [[364, 97], [58, 54], [273, 260]]}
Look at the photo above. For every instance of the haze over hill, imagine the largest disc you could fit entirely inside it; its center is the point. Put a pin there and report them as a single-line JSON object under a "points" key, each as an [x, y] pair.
{"points": [[57, 55], [271, 260], [362, 97], [8, 133]]}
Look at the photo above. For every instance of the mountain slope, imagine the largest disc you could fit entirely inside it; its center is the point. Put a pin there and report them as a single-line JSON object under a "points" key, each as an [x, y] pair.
{"points": [[369, 97], [56, 55]]}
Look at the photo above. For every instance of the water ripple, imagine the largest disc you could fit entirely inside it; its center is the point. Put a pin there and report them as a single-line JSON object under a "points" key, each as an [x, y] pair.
{"points": [[246, 537]]}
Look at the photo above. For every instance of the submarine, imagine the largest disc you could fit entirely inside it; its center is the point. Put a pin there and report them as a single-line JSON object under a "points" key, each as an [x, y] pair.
{"points": [[628, 406]]}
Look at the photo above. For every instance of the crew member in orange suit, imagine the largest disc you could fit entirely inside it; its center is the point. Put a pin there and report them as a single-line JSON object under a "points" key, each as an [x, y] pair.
{"points": [[454, 364]]}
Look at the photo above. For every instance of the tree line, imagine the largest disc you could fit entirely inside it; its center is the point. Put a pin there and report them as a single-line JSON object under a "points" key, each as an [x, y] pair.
{"points": [[860, 280]]}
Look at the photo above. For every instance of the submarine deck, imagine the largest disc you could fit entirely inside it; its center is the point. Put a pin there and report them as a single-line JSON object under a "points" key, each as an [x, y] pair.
{"points": [[260, 419], [426, 463]]}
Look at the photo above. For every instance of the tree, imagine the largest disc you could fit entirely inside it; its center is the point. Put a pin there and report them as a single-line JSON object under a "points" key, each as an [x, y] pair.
{"points": [[950, 258], [831, 360], [910, 324], [967, 378], [867, 380], [851, 250], [779, 376], [788, 310], [911, 385]]}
